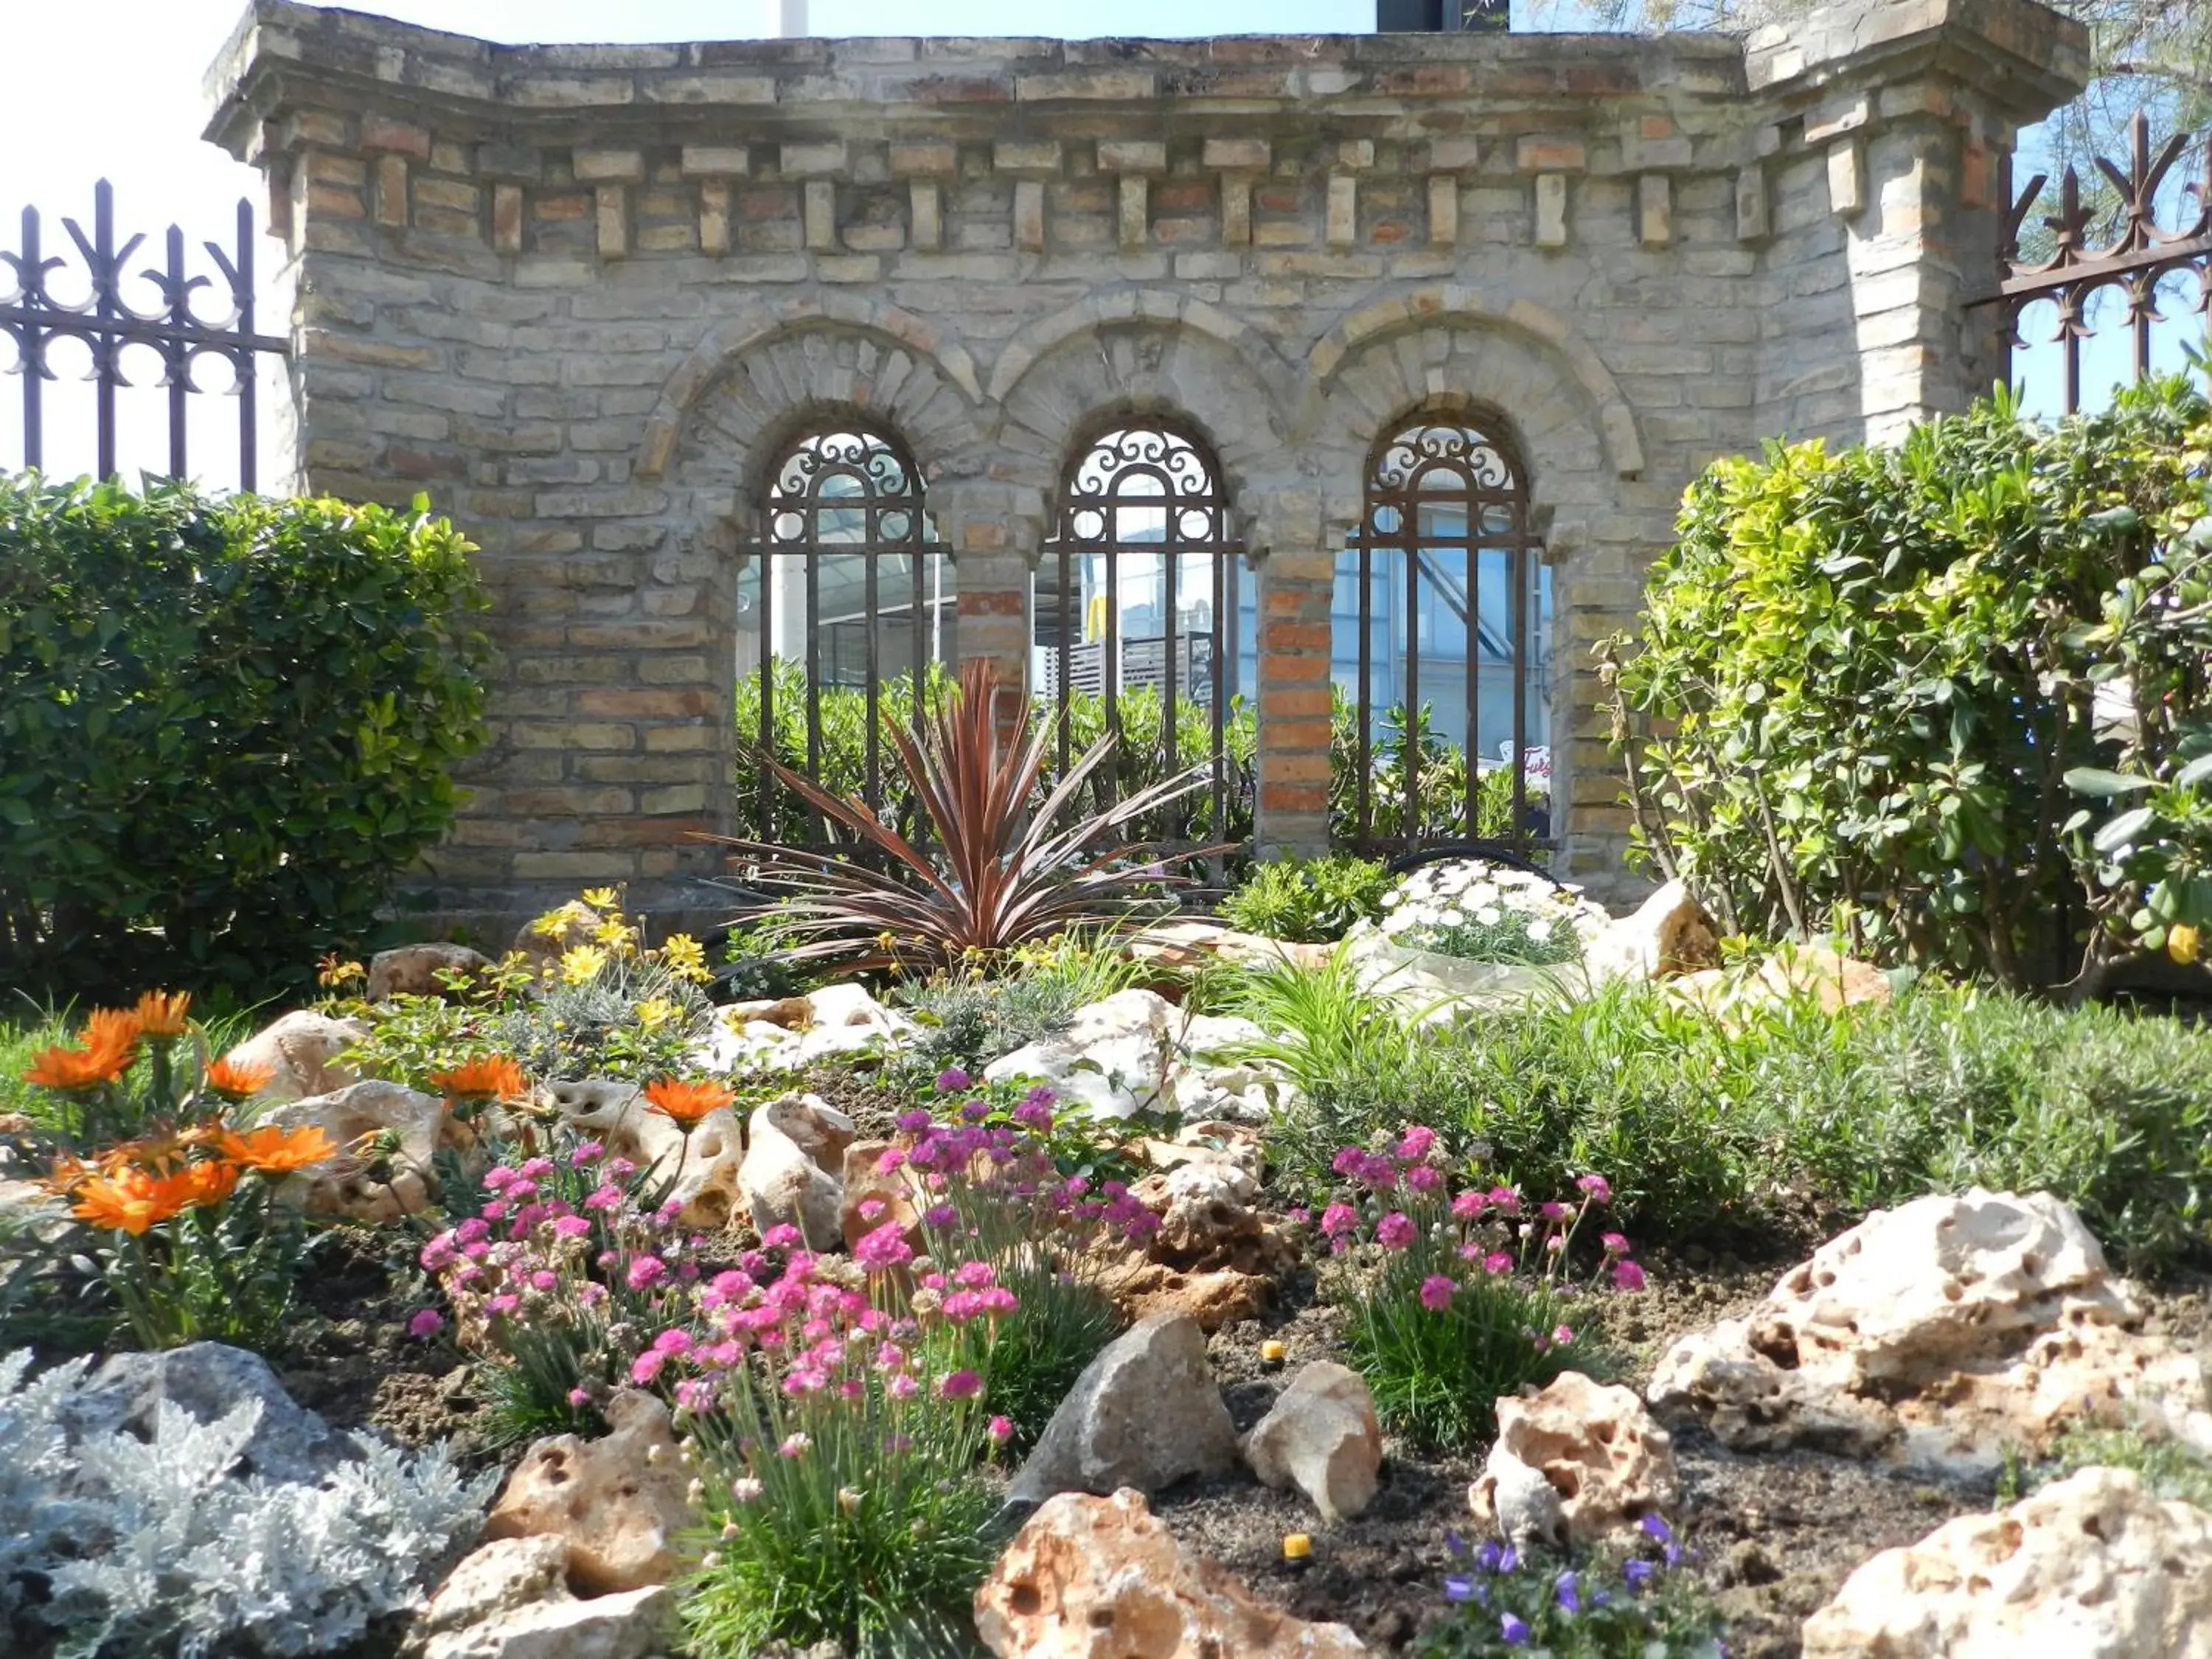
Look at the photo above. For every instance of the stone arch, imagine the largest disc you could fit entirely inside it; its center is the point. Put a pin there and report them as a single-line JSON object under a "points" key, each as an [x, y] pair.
{"points": [[1207, 373], [1448, 312], [754, 378]]}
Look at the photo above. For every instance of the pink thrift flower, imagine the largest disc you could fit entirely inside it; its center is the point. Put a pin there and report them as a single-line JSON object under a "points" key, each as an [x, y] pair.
{"points": [[603, 1198], [883, 1248], [1627, 1276], [1338, 1218], [1599, 1188], [570, 1226], [960, 1385], [673, 1340], [645, 1272], [1497, 1262], [498, 1177], [902, 1386], [1467, 1205], [974, 1275], [1436, 1292], [1615, 1243], [1347, 1161], [1395, 1232], [781, 1237], [543, 1280], [871, 1209], [794, 1445], [1562, 1334], [1414, 1145], [1423, 1178], [620, 1168], [579, 1398], [646, 1366], [426, 1324], [1000, 1429], [585, 1151], [502, 1304]]}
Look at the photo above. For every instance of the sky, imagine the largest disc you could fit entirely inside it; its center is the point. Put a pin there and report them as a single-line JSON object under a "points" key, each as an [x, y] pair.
{"points": [[111, 89]]}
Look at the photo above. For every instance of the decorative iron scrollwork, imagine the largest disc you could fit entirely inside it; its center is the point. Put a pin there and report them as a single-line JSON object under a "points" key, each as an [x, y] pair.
{"points": [[2140, 255]]}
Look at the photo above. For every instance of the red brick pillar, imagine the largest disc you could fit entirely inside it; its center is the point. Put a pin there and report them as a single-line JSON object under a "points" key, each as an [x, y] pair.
{"points": [[1294, 593]]}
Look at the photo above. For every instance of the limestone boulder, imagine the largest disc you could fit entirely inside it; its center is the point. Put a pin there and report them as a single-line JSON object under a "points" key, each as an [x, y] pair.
{"points": [[1938, 1333], [2091, 1567], [387, 1137], [1669, 933], [508, 1600], [290, 1445], [302, 1052], [543, 941], [617, 1115], [1218, 1141], [1145, 1413], [1102, 1578], [791, 1032], [1574, 1461], [1320, 1436], [415, 970], [1203, 1207], [793, 1167], [617, 1503], [871, 1196], [1141, 1287]]}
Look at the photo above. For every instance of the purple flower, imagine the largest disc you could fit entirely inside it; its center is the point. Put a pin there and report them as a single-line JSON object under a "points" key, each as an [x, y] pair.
{"points": [[1656, 1529], [949, 1079], [1638, 1573], [1568, 1594], [1554, 1211], [1436, 1292], [1459, 1587], [1597, 1187], [1347, 1161], [426, 1324], [939, 1215], [1627, 1276], [1423, 1178], [1513, 1630], [1395, 1232], [916, 1121]]}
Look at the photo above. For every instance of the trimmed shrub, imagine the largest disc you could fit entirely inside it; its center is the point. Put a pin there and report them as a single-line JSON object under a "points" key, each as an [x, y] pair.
{"points": [[1307, 900], [1950, 701], [226, 722]]}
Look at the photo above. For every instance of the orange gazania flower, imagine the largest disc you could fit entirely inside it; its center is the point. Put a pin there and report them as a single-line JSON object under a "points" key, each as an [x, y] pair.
{"points": [[131, 1201], [235, 1082], [210, 1182], [276, 1151], [687, 1102], [86, 1067], [111, 1028], [496, 1078], [161, 1013]]}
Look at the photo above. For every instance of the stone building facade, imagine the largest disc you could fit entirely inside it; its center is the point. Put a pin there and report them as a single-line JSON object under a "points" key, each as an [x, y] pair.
{"points": [[584, 295]]}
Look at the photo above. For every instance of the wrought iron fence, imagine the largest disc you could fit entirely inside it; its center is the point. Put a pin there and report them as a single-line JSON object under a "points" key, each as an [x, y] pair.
{"points": [[56, 297], [2135, 255]]}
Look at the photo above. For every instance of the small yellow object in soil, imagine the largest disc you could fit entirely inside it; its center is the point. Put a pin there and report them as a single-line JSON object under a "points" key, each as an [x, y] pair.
{"points": [[2182, 943], [1296, 1546], [1273, 1353]]}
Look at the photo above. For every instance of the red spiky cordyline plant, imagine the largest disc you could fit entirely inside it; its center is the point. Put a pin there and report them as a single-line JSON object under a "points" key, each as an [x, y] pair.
{"points": [[1001, 876]]}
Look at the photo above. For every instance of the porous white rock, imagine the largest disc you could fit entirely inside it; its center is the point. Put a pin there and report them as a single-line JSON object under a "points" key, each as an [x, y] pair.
{"points": [[385, 1139], [1135, 1052], [2090, 1567], [704, 1168], [416, 969], [1145, 1413], [1668, 933], [793, 1167], [1321, 1436], [507, 1599], [1103, 1578], [1574, 1461], [300, 1050], [618, 1503], [1938, 1333]]}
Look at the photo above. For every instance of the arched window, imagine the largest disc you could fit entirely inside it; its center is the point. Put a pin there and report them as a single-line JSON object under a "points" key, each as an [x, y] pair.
{"points": [[1136, 624], [1441, 630], [850, 610]]}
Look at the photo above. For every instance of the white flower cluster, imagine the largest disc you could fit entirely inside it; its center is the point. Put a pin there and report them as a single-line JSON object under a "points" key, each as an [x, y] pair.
{"points": [[1486, 912]]}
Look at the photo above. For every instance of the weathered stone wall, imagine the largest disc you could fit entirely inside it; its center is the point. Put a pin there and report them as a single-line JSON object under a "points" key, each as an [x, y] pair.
{"points": [[580, 295]]}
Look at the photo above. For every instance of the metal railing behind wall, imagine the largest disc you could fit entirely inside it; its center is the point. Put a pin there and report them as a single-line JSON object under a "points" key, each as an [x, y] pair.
{"points": [[2105, 242], [73, 288]]}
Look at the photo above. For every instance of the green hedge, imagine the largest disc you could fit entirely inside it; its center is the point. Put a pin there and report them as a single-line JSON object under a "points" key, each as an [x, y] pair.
{"points": [[1874, 692], [225, 723]]}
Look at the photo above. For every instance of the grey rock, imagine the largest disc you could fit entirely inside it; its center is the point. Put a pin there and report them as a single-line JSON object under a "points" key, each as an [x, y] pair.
{"points": [[1320, 1436], [290, 1445], [1145, 1413]]}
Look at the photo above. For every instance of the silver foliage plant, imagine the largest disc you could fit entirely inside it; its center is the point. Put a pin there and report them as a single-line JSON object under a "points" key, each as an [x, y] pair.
{"points": [[156, 1547]]}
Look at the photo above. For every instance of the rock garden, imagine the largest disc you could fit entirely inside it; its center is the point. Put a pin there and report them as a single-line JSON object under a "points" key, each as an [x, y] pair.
{"points": [[966, 1248]]}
